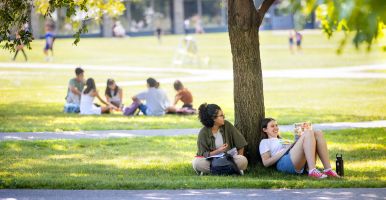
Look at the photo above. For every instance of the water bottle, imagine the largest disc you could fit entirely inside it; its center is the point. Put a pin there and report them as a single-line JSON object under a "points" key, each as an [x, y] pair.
{"points": [[339, 165]]}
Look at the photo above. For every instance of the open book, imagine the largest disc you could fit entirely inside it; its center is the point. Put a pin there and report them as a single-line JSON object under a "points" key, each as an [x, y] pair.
{"points": [[231, 152]]}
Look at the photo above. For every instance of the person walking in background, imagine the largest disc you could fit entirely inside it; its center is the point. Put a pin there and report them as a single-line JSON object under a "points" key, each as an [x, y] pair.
{"points": [[291, 39], [114, 93], [299, 39], [186, 26], [19, 47], [50, 38], [158, 32]]}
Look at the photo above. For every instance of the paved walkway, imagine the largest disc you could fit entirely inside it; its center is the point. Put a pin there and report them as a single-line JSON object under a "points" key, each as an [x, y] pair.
{"points": [[223, 194], [164, 132], [204, 75]]}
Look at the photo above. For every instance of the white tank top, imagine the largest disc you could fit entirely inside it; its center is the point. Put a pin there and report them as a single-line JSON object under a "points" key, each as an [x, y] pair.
{"points": [[86, 102]]}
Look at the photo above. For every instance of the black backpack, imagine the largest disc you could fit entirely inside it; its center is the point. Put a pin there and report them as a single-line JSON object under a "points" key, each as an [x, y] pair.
{"points": [[224, 166]]}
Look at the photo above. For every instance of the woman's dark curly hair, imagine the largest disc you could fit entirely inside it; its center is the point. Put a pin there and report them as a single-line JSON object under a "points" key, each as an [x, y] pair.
{"points": [[207, 113]]}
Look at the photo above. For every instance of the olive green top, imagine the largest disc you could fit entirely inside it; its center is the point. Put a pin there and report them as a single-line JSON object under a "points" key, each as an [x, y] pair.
{"points": [[231, 136]]}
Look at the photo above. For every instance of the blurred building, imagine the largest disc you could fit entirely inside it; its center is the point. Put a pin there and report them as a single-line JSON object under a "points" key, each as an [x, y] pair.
{"points": [[172, 16]]}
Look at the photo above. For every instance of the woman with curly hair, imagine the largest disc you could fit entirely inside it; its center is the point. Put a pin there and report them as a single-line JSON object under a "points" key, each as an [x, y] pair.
{"points": [[216, 137]]}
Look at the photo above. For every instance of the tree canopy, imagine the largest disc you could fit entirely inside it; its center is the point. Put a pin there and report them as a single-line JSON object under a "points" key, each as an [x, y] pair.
{"points": [[365, 19], [15, 13]]}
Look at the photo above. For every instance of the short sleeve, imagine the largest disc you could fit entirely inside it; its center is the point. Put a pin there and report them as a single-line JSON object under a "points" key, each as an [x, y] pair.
{"points": [[202, 147], [264, 146], [142, 95], [238, 138], [72, 83]]}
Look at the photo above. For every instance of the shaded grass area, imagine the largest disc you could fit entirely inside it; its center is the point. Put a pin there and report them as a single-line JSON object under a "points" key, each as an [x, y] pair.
{"points": [[165, 163]]}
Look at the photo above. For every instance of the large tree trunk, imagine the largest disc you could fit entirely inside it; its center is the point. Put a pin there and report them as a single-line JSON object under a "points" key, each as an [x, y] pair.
{"points": [[243, 24]]}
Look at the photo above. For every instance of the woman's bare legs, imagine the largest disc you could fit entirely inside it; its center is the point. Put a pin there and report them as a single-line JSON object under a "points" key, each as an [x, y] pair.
{"points": [[304, 150], [321, 149]]}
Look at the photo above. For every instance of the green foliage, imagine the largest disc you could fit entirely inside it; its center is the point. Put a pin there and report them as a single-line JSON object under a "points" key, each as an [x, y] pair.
{"points": [[15, 13], [365, 19]]}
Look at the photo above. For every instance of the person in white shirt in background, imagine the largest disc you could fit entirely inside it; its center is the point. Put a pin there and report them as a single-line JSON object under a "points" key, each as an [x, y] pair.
{"points": [[156, 99], [118, 30]]}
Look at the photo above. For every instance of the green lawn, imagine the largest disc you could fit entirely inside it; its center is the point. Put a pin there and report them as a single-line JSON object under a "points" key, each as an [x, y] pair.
{"points": [[32, 99], [318, 51], [165, 163], [289, 101]]}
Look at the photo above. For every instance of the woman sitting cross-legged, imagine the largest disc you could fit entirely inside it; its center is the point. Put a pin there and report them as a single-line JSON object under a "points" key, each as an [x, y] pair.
{"points": [[293, 158], [114, 93], [216, 137]]}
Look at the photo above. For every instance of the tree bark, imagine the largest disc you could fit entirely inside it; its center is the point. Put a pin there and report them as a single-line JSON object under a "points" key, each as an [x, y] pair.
{"points": [[243, 23]]}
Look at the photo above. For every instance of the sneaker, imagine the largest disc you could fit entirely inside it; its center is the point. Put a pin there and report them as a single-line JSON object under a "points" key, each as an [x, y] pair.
{"points": [[331, 173], [317, 174]]}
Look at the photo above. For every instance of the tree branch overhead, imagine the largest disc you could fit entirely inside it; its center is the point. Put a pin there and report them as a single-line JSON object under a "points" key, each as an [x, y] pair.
{"points": [[263, 9]]}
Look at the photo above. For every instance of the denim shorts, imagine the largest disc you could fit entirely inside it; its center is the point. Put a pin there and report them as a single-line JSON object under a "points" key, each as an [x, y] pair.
{"points": [[285, 165]]}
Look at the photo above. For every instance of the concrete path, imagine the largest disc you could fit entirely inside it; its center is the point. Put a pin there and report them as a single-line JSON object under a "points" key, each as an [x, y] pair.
{"points": [[205, 75], [164, 132], [216, 194]]}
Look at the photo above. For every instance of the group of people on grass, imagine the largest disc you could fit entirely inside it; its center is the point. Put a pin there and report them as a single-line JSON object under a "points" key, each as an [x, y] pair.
{"points": [[153, 101], [218, 136]]}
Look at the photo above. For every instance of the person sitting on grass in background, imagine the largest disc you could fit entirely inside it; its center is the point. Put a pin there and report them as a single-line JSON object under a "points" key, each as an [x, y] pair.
{"points": [[183, 95], [156, 100], [87, 106], [293, 158], [114, 93], [216, 137], [74, 90]]}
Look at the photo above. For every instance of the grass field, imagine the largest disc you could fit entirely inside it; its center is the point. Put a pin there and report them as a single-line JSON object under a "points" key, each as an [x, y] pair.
{"points": [[289, 101], [319, 52], [165, 163], [32, 99]]}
